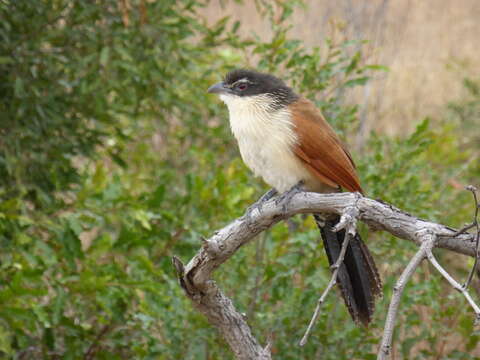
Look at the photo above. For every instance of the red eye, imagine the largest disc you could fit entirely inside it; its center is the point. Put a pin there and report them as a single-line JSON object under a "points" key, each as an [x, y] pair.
{"points": [[242, 87]]}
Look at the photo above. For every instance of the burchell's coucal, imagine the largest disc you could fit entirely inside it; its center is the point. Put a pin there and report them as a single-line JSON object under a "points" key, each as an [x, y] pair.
{"points": [[284, 139]]}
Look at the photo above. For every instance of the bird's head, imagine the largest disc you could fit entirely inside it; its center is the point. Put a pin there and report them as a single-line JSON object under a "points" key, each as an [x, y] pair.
{"points": [[241, 87]]}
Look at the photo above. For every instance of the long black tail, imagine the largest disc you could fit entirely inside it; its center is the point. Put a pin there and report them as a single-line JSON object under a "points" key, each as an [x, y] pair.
{"points": [[357, 277]]}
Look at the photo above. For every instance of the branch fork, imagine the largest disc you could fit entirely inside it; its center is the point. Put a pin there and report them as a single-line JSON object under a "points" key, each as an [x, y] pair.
{"points": [[348, 221], [427, 239], [195, 277]]}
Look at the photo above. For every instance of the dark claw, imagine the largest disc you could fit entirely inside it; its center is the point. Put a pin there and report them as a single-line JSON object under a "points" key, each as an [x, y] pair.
{"points": [[284, 199], [259, 204]]}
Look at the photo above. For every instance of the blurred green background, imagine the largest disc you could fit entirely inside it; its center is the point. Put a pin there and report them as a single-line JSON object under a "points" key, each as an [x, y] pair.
{"points": [[113, 158]]}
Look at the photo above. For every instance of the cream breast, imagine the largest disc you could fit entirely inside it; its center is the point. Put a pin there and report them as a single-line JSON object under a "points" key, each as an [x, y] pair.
{"points": [[266, 137]]}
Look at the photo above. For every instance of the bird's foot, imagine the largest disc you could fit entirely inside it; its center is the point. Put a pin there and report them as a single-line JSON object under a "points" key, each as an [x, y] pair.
{"points": [[284, 199], [259, 204]]}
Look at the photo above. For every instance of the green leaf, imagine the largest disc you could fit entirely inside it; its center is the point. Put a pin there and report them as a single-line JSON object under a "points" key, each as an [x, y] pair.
{"points": [[377, 67], [19, 87], [5, 341], [5, 60], [104, 56], [356, 82]]}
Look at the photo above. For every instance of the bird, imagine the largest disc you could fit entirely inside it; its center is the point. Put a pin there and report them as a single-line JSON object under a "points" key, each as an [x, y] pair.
{"points": [[284, 139]]}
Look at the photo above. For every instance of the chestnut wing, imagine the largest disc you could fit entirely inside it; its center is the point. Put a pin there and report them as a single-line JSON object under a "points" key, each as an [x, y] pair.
{"points": [[320, 148]]}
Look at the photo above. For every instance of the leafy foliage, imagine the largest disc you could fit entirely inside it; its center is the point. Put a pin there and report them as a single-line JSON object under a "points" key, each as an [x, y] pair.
{"points": [[113, 158]]}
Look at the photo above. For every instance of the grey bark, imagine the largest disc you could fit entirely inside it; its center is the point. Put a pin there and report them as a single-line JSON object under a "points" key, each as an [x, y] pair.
{"points": [[195, 277]]}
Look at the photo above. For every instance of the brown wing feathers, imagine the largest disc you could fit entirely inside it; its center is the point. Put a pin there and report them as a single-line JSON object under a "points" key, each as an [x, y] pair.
{"points": [[329, 161], [320, 148]]}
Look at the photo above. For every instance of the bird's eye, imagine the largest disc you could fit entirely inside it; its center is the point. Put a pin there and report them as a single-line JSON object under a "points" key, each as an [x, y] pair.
{"points": [[242, 86]]}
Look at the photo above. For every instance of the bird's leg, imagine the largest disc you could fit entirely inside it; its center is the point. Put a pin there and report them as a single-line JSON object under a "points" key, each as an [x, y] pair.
{"points": [[267, 196], [259, 203], [285, 198]]}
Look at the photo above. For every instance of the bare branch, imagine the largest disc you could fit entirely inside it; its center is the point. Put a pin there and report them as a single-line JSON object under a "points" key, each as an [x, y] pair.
{"points": [[428, 242], [220, 312], [195, 277], [455, 284], [348, 222], [475, 224]]}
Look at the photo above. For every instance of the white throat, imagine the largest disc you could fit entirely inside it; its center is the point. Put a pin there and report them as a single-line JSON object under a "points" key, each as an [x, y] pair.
{"points": [[266, 138]]}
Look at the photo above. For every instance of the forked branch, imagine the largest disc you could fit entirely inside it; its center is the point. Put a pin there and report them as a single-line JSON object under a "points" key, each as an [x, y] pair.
{"points": [[427, 240], [348, 221], [195, 277]]}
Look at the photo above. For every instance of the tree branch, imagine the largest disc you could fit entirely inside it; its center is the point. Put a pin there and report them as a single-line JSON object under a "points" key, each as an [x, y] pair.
{"points": [[195, 277], [475, 224], [426, 247], [348, 221]]}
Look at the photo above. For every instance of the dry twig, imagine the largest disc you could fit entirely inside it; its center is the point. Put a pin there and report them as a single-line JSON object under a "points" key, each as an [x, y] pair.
{"points": [[348, 222], [455, 285], [428, 241], [475, 224]]}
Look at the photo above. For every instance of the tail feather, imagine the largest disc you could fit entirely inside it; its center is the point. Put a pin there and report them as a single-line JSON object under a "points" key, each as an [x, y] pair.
{"points": [[358, 277]]}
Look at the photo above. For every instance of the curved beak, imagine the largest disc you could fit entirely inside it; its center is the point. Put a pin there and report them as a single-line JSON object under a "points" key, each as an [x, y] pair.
{"points": [[218, 88]]}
